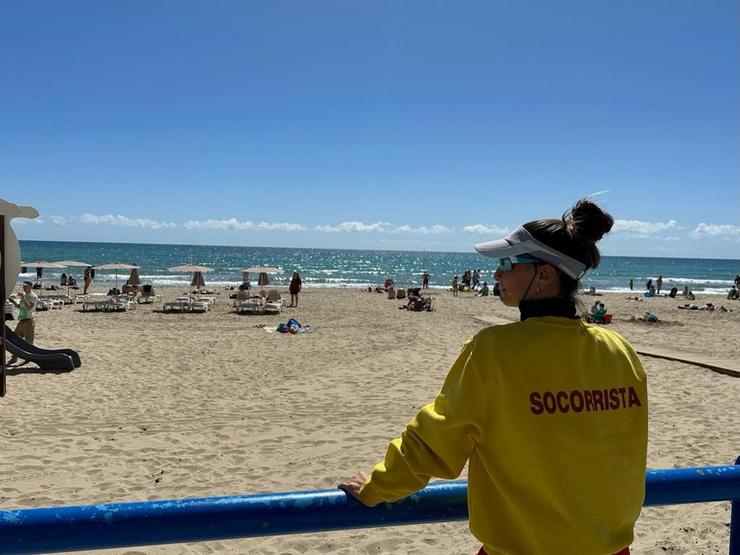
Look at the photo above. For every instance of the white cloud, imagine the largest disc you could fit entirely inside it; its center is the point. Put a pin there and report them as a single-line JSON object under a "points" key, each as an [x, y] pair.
{"points": [[59, 220], [482, 229], [27, 221], [716, 230], [381, 227], [235, 225], [352, 227], [123, 221], [422, 229], [637, 227]]}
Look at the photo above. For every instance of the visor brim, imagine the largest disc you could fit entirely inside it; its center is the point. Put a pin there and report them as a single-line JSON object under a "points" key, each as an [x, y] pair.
{"points": [[500, 248]]}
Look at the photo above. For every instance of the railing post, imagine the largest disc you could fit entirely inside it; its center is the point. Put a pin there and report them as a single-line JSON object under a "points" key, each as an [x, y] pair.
{"points": [[735, 523]]}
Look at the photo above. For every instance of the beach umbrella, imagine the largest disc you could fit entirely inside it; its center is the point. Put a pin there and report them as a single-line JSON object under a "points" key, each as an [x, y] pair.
{"points": [[262, 271], [196, 270], [40, 265], [133, 278], [197, 280], [116, 266], [72, 264]]}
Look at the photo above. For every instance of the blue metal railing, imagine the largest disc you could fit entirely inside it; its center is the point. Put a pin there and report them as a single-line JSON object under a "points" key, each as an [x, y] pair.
{"points": [[73, 528]]}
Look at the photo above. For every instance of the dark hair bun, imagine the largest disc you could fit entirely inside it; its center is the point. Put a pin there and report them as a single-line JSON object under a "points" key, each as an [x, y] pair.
{"points": [[588, 221]]}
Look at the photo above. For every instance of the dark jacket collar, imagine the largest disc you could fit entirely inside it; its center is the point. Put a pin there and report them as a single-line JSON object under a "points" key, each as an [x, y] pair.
{"points": [[564, 308]]}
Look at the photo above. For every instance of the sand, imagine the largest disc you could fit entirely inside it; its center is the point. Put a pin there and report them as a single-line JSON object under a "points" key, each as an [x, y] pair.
{"points": [[192, 405]]}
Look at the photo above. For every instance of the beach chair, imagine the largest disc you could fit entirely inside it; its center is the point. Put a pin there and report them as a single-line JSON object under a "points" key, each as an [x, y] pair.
{"points": [[48, 303], [64, 299], [147, 295], [11, 311], [185, 304], [250, 306], [210, 299], [116, 304], [199, 306], [178, 304], [274, 300]]}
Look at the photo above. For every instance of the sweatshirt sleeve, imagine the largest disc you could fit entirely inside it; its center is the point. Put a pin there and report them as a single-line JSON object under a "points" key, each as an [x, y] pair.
{"points": [[437, 442]]}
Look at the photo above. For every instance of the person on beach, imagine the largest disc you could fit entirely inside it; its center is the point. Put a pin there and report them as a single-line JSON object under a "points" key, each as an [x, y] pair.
{"points": [[598, 311], [484, 290], [26, 328], [425, 280], [295, 288], [632, 284], [454, 286], [87, 279], [245, 284], [550, 412], [659, 284], [649, 284]]}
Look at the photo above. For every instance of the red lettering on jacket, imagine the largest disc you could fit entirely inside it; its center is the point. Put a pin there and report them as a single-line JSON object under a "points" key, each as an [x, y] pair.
{"points": [[561, 397], [613, 398], [549, 400], [597, 396], [576, 401], [589, 400], [634, 399], [536, 402]]}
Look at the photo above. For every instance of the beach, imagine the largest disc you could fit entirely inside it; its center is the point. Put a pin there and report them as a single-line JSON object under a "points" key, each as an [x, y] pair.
{"points": [[193, 405]]}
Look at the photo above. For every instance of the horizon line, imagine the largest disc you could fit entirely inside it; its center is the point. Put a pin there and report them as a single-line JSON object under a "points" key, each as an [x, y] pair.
{"points": [[336, 249]]}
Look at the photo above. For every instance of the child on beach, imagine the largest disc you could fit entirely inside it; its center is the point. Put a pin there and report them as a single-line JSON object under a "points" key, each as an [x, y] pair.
{"points": [[550, 412]]}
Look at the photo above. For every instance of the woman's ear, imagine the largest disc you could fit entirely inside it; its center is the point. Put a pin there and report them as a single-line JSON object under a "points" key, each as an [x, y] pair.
{"points": [[547, 273]]}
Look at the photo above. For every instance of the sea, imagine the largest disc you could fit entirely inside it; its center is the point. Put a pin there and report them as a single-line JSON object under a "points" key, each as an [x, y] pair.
{"points": [[352, 268]]}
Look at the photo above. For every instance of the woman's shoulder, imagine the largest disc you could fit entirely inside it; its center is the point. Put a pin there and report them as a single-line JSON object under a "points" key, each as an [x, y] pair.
{"points": [[496, 334], [610, 337]]}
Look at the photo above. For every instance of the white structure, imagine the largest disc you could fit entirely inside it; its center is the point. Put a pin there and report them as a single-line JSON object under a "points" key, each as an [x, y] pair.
{"points": [[11, 250]]}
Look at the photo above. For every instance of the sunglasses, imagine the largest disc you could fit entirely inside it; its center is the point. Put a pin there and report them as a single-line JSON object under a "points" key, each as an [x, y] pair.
{"points": [[507, 264]]}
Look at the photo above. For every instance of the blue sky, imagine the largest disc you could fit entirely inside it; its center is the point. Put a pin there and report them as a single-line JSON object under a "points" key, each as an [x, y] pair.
{"points": [[401, 125]]}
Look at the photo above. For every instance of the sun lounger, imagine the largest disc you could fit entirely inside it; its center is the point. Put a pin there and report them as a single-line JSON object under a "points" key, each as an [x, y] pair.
{"points": [[185, 304], [249, 306], [274, 300], [193, 299], [197, 306], [11, 311], [147, 295], [111, 304], [176, 306], [211, 300], [64, 299], [47, 303]]}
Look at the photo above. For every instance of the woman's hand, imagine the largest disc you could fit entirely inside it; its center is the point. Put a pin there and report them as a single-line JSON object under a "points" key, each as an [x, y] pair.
{"points": [[353, 486]]}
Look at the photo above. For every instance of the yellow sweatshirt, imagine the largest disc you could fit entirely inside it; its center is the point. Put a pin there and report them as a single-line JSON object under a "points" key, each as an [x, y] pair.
{"points": [[552, 414]]}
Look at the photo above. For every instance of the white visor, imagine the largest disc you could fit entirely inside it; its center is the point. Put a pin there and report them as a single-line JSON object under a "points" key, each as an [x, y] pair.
{"points": [[520, 242]]}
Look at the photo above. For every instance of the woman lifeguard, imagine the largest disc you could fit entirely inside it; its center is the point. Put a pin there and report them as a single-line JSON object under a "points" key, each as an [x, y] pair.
{"points": [[550, 412]]}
